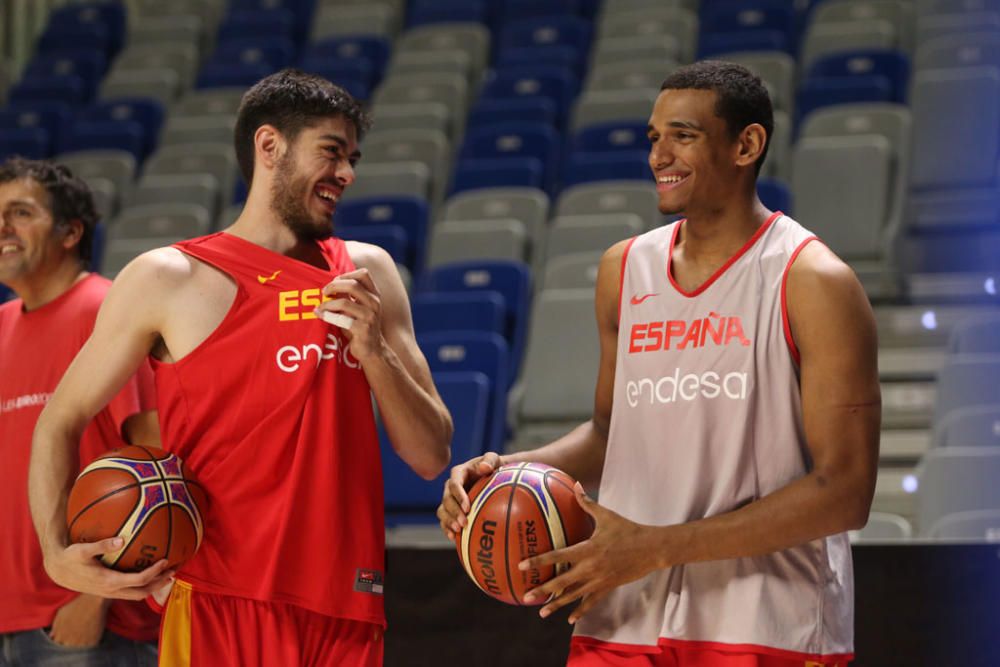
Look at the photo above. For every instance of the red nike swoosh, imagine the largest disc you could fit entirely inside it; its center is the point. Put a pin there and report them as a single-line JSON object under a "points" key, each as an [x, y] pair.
{"points": [[636, 299]]}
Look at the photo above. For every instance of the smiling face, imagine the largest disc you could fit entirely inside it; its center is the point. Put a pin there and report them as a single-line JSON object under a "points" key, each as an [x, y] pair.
{"points": [[312, 174], [692, 153], [32, 245]]}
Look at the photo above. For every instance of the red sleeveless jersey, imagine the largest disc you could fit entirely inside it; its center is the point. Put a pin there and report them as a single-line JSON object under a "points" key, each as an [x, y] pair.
{"points": [[274, 417]]}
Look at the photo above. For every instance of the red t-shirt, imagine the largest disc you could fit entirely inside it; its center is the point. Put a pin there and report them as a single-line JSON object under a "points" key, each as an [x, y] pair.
{"points": [[273, 416], [36, 347]]}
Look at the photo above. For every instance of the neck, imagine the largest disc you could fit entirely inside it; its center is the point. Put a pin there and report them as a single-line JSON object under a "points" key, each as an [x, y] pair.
{"points": [[259, 224], [721, 233], [37, 291]]}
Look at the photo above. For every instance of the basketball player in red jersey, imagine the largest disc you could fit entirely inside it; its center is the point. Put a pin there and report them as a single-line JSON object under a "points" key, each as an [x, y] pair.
{"points": [[268, 341], [736, 417], [47, 221]]}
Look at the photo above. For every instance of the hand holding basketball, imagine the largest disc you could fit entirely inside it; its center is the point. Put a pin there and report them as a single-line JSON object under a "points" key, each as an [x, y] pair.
{"points": [[619, 551], [78, 568], [454, 507]]}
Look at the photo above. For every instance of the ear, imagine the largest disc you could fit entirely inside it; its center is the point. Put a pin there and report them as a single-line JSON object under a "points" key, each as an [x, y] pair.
{"points": [[269, 146], [750, 144], [72, 234]]}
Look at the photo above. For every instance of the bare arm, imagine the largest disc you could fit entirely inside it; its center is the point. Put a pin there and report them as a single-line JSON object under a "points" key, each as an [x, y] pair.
{"points": [[580, 453], [382, 339], [834, 329], [123, 335]]}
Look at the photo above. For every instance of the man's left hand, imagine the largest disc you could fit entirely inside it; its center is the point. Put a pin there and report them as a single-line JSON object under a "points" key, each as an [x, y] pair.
{"points": [[619, 551], [80, 622], [355, 295]]}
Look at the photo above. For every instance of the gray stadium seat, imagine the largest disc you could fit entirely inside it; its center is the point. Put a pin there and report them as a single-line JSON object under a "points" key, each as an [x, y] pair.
{"points": [[679, 23], [611, 7], [462, 240], [957, 479], [115, 165], [825, 38], [182, 59], [665, 48], [161, 220], [105, 196], [528, 205], [228, 216], [560, 367], [170, 29], [431, 116], [941, 25], [451, 90], [118, 253], [573, 271], [642, 75], [601, 106], [197, 129], [979, 525], [931, 7], [199, 189], [472, 38], [161, 83], [208, 102], [967, 380], [967, 50], [899, 13], [402, 178], [778, 163], [447, 61], [217, 160], [775, 68], [429, 148], [976, 426], [612, 197], [208, 11], [883, 526], [976, 335], [370, 19], [589, 233]]}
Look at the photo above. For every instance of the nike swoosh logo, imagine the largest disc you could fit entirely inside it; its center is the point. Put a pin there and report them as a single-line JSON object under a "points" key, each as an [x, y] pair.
{"points": [[636, 299], [264, 279]]}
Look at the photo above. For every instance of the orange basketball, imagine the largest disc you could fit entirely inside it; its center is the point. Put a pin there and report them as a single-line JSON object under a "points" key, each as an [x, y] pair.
{"points": [[144, 495], [521, 510]]}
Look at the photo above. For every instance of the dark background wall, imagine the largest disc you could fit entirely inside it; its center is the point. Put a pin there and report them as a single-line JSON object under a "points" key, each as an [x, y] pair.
{"points": [[916, 605]]}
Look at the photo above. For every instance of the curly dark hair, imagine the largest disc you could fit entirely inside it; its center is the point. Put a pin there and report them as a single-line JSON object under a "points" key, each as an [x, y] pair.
{"points": [[69, 197], [742, 98], [291, 101]]}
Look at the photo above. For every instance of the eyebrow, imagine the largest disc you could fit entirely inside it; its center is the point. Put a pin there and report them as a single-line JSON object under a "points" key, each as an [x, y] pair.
{"points": [[22, 202], [340, 141], [679, 125]]}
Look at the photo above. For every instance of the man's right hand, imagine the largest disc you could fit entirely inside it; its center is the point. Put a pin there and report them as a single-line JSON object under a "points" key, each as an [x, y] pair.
{"points": [[455, 502], [77, 568]]}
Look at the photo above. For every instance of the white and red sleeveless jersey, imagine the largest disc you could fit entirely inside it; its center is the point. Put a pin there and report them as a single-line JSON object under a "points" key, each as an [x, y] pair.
{"points": [[707, 417]]}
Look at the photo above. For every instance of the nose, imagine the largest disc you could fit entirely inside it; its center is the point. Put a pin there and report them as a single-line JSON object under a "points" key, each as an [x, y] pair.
{"points": [[345, 173], [660, 155]]}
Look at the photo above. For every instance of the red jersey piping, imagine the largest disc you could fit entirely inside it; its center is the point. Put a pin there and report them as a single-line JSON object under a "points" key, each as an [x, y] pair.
{"points": [[722, 269], [785, 324], [621, 276], [754, 649]]}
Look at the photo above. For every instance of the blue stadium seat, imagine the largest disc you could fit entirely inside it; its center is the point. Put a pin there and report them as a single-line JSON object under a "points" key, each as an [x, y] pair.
{"points": [[775, 195], [148, 113], [817, 92], [512, 10], [373, 49], [424, 12], [6, 294], [472, 174], [52, 117], [97, 246], [466, 395], [89, 66], [277, 52], [584, 167], [67, 89], [28, 142], [214, 75], [510, 279], [711, 43], [558, 84], [515, 140], [616, 135], [519, 110], [556, 55], [244, 24], [85, 135], [301, 10], [893, 65], [391, 238], [458, 311], [751, 16], [407, 213], [475, 351], [79, 37], [334, 69], [109, 15], [567, 30]]}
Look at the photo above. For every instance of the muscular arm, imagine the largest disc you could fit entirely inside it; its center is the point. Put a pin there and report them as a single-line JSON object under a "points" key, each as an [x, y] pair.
{"points": [[123, 335], [416, 419]]}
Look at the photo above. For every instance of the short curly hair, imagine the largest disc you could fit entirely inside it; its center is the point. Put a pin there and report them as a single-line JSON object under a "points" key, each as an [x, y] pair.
{"points": [[69, 197], [291, 101], [742, 98]]}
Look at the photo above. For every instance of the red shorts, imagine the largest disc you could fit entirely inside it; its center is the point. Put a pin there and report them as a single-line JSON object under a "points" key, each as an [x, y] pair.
{"points": [[204, 629], [587, 654]]}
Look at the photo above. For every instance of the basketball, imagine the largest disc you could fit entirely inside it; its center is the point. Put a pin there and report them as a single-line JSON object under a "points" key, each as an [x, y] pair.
{"points": [[144, 495], [521, 510]]}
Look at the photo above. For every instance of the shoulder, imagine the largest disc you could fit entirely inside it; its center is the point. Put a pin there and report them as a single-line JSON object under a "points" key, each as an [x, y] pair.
{"points": [[158, 272], [371, 257], [815, 269]]}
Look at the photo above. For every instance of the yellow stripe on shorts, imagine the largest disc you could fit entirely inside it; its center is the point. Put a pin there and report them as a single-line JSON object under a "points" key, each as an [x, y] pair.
{"points": [[175, 639]]}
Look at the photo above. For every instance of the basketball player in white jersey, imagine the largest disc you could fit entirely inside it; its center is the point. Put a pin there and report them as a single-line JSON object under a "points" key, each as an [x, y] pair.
{"points": [[735, 429]]}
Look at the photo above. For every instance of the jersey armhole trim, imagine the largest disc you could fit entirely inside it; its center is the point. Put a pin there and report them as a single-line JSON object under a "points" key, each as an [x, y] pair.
{"points": [[621, 275], [785, 323]]}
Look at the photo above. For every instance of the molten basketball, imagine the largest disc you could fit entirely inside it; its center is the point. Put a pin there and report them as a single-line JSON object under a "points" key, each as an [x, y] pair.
{"points": [[143, 495], [521, 510]]}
